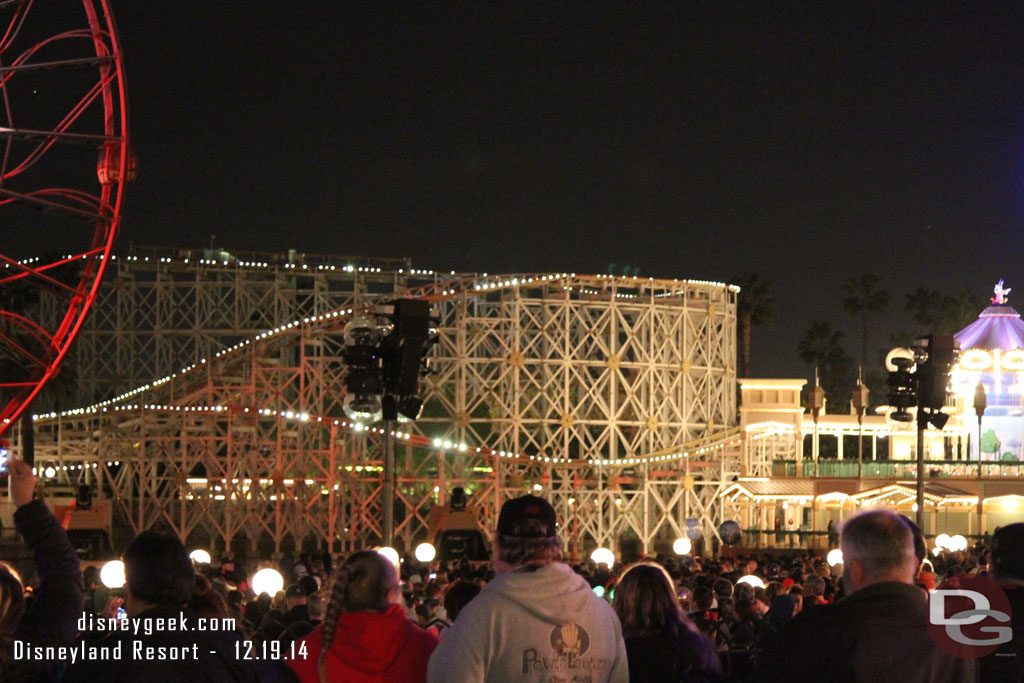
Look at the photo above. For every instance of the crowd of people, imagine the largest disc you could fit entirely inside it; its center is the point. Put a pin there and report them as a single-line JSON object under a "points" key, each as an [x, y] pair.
{"points": [[529, 615]]}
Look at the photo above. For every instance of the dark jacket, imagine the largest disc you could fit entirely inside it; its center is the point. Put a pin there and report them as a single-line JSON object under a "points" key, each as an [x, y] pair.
{"points": [[278, 624], [774, 622], [214, 659], [1006, 665], [879, 633], [653, 659], [52, 618]]}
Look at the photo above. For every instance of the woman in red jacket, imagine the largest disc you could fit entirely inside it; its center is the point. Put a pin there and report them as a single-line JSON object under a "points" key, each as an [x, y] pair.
{"points": [[368, 637]]}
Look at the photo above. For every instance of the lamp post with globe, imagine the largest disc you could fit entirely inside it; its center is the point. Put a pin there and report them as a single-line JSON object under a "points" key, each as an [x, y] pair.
{"points": [[860, 405], [980, 403]]}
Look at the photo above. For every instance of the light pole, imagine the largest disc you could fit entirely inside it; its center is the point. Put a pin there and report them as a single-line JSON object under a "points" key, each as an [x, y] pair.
{"points": [[860, 404], [921, 378], [902, 395], [388, 532], [816, 402], [922, 424], [980, 403]]}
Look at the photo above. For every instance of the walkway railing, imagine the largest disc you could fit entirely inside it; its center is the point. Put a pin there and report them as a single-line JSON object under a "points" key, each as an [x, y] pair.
{"points": [[795, 538], [898, 469], [782, 539]]}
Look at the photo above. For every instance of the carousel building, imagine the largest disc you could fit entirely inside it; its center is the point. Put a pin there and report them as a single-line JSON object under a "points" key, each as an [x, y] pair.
{"points": [[806, 470]]}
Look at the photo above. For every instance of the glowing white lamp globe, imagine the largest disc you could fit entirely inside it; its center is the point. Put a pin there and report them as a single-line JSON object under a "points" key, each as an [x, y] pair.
{"points": [[425, 552], [957, 542], [112, 574], [936, 551], [898, 353], [49, 473], [267, 581], [390, 553], [682, 546], [942, 541], [603, 556], [200, 556], [754, 581], [834, 557]]}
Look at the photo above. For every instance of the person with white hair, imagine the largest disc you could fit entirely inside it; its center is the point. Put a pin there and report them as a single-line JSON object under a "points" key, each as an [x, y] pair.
{"points": [[879, 630]]}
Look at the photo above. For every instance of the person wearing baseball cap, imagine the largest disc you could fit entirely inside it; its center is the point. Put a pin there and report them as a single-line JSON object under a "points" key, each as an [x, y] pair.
{"points": [[536, 617]]}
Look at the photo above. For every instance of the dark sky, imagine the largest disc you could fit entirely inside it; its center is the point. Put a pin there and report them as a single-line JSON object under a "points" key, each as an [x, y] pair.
{"points": [[810, 142]]}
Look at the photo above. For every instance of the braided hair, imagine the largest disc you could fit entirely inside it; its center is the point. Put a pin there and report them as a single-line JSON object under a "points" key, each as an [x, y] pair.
{"points": [[361, 584]]}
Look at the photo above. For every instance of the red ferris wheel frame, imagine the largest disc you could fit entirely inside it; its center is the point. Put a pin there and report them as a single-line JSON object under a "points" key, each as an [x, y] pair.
{"points": [[91, 120]]}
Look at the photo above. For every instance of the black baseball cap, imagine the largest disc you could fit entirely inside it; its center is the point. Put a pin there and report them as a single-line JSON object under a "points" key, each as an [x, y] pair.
{"points": [[526, 508]]}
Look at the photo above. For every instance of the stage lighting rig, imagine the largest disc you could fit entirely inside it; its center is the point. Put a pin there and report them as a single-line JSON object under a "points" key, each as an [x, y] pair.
{"points": [[921, 379], [902, 388], [363, 384], [386, 354], [936, 355]]}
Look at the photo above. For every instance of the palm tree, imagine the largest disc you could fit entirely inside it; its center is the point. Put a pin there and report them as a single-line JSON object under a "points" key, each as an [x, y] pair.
{"points": [[754, 307], [924, 307], [863, 296], [960, 310], [904, 338], [821, 346], [944, 314]]}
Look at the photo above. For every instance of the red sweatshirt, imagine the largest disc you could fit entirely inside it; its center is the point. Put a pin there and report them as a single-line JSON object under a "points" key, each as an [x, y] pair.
{"points": [[369, 647]]}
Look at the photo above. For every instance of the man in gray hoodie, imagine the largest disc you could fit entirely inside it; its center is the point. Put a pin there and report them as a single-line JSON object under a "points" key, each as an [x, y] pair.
{"points": [[537, 621]]}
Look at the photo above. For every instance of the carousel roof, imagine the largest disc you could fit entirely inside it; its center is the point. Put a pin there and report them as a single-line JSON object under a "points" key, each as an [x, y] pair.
{"points": [[998, 326]]}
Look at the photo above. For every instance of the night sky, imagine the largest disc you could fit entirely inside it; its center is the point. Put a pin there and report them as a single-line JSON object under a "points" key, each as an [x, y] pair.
{"points": [[809, 142]]}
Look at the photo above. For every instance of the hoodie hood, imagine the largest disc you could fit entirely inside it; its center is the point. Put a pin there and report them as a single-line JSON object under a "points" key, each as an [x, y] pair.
{"points": [[370, 642], [554, 593]]}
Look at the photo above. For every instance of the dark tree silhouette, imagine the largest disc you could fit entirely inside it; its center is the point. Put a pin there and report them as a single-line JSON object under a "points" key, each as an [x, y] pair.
{"points": [[864, 297], [960, 310], [925, 307], [821, 347], [754, 307]]}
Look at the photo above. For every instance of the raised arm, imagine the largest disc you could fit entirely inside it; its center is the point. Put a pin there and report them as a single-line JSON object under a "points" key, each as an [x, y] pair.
{"points": [[57, 603]]}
